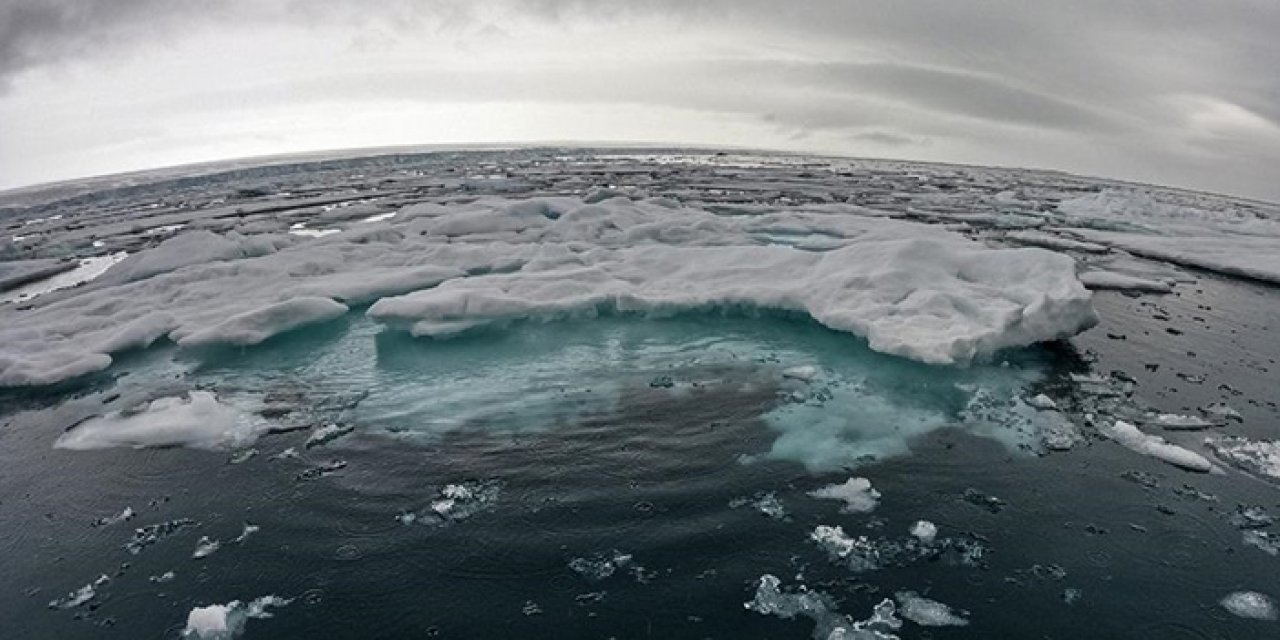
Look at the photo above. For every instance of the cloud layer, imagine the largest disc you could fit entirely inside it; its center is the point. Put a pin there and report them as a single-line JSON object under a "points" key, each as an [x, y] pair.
{"points": [[1172, 91]]}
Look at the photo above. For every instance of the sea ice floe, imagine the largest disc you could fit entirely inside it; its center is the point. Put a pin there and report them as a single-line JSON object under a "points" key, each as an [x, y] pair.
{"points": [[926, 612], [829, 624], [198, 420], [1251, 604], [909, 289], [1259, 457], [228, 621], [856, 493], [1130, 437], [205, 547]]}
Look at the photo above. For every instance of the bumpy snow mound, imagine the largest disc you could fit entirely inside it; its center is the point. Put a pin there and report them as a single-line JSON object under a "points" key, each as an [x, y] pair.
{"points": [[910, 289]]}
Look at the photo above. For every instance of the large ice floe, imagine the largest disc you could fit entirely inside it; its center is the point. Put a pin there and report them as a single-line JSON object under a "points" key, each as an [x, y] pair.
{"points": [[909, 289]]}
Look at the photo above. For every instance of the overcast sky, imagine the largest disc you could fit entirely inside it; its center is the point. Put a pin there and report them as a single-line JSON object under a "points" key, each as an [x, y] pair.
{"points": [[1180, 92]]}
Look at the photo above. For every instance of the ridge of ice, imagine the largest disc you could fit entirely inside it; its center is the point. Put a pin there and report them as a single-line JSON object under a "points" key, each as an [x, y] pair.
{"points": [[1131, 438]]}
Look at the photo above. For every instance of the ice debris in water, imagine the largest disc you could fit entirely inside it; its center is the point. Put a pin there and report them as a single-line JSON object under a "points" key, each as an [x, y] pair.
{"points": [[1222, 410], [829, 624], [227, 621], [243, 456], [602, 565], [766, 503], [1043, 402], [151, 534], [1259, 457], [322, 470], [456, 502], [167, 576], [926, 612], [123, 516], [249, 529], [1174, 421], [1263, 540], [196, 420], [805, 373], [205, 547], [1250, 517], [1251, 604], [80, 596], [856, 493], [862, 553], [326, 434], [1131, 438], [924, 531]]}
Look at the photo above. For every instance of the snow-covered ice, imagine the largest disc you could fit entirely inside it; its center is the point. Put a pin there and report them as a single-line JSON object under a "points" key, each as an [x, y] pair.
{"points": [[1149, 445], [228, 621], [196, 420], [926, 612], [910, 289], [856, 493], [1251, 604]]}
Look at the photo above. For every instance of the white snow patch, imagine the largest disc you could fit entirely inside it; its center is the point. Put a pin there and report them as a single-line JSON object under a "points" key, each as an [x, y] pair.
{"points": [[856, 493], [197, 420]]}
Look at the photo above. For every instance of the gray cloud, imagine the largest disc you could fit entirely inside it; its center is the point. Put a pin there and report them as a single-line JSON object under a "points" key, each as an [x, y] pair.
{"points": [[1091, 85]]}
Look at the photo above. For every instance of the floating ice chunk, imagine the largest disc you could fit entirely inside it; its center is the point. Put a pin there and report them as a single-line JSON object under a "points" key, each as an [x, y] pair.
{"points": [[243, 456], [1043, 402], [766, 503], [1251, 604], [253, 327], [167, 576], [1122, 282], [805, 373], [123, 516], [603, 565], [227, 621], [1222, 410], [856, 493], [80, 596], [197, 420], [1130, 437], [249, 529], [146, 536], [1174, 421], [924, 531], [187, 249], [926, 612], [456, 502], [205, 547], [829, 624], [1259, 457], [1264, 541], [327, 434]]}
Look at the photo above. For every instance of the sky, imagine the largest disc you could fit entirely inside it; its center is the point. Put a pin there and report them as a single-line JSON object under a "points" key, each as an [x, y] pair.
{"points": [[1175, 92]]}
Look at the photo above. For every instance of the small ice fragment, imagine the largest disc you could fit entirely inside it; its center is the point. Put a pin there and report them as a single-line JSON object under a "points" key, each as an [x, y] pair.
{"points": [[81, 595], [1041, 401], [924, 531], [1131, 438], [530, 608], [1222, 410], [856, 493], [243, 456], [1177, 421], [126, 514], [1264, 540], [227, 621], [1251, 604], [600, 566], [829, 624], [766, 503], [926, 612], [804, 373], [326, 434], [249, 529], [1071, 595], [205, 547], [1250, 517], [287, 454], [167, 576], [153, 533]]}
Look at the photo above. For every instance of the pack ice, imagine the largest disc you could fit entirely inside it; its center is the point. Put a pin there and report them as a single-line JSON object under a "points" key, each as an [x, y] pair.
{"points": [[910, 289]]}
